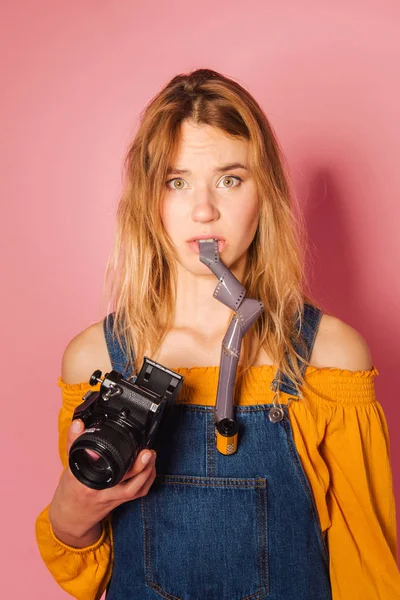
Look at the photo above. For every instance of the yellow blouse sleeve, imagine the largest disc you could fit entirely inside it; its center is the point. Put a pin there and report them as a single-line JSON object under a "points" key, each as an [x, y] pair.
{"points": [[82, 572], [362, 535]]}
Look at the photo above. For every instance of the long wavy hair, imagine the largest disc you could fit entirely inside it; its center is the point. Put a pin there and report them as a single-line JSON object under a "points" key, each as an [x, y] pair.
{"points": [[140, 280]]}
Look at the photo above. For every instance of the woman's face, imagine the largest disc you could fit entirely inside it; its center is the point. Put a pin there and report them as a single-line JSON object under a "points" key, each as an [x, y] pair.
{"points": [[208, 195]]}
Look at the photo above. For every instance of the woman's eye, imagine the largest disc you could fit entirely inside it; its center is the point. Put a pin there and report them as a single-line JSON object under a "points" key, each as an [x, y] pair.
{"points": [[177, 183], [229, 181]]}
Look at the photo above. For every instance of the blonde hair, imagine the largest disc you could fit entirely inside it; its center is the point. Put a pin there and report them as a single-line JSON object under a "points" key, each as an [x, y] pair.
{"points": [[141, 277]]}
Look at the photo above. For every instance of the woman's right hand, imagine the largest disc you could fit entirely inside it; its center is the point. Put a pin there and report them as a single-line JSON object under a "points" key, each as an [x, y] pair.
{"points": [[76, 510]]}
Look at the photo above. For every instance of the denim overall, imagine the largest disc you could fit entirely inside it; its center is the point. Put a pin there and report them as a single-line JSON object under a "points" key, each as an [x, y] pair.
{"points": [[215, 527]]}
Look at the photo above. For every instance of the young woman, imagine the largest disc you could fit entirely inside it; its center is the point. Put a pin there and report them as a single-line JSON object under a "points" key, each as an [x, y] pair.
{"points": [[304, 509]]}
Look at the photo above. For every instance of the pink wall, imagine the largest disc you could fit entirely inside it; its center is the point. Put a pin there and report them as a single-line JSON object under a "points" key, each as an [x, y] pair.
{"points": [[75, 77]]}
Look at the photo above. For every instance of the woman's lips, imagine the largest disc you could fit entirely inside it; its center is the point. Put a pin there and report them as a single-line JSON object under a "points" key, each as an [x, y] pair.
{"points": [[194, 245]]}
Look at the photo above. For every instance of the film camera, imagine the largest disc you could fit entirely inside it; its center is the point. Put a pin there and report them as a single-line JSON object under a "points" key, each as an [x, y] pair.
{"points": [[120, 419]]}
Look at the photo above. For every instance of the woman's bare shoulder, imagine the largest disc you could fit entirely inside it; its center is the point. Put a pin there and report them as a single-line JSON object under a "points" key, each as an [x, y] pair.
{"points": [[339, 345], [85, 353]]}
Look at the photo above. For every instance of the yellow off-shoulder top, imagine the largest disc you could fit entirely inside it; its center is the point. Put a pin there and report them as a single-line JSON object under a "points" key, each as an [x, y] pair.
{"points": [[341, 436]]}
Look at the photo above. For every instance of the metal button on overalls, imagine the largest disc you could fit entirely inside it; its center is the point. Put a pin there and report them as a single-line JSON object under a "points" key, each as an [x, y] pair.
{"points": [[276, 414]]}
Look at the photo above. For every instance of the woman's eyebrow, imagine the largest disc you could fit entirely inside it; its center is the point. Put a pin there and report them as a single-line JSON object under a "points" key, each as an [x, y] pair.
{"points": [[221, 169]]}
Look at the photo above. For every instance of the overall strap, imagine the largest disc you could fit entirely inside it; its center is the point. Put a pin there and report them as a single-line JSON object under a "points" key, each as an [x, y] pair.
{"points": [[116, 352], [309, 327]]}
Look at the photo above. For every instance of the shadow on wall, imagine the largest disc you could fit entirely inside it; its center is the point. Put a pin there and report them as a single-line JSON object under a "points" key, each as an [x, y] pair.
{"points": [[333, 270]]}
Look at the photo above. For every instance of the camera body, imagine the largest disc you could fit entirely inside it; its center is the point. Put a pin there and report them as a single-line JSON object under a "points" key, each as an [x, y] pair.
{"points": [[120, 419]]}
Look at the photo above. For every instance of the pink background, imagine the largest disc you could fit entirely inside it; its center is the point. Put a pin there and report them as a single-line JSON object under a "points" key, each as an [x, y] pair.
{"points": [[75, 76]]}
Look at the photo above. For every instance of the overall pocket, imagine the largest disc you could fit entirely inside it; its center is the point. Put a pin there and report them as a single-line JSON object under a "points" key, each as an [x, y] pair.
{"points": [[205, 538]]}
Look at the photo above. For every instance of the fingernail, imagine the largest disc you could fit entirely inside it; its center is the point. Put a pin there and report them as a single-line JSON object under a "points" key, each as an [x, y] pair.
{"points": [[146, 457], [76, 426]]}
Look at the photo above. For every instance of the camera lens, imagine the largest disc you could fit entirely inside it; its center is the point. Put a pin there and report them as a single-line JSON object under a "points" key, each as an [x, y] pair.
{"points": [[115, 449]]}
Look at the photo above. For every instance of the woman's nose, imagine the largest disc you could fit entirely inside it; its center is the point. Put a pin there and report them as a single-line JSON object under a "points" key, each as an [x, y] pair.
{"points": [[205, 208]]}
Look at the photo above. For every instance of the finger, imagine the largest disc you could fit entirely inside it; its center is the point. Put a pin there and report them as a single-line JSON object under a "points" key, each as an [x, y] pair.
{"points": [[75, 429], [129, 488], [143, 458], [144, 490]]}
